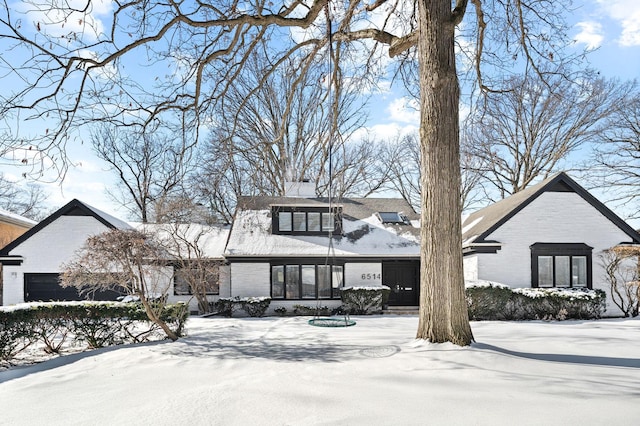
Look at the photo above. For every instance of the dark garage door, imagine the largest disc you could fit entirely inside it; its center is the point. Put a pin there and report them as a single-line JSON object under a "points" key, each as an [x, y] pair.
{"points": [[45, 287]]}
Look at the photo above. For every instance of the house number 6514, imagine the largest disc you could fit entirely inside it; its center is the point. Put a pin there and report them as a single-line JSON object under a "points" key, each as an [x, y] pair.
{"points": [[367, 277]]}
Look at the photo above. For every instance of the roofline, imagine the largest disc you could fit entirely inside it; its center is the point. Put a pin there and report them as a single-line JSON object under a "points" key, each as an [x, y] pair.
{"points": [[346, 258], [597, 204], [18, 221], [75, 203]]}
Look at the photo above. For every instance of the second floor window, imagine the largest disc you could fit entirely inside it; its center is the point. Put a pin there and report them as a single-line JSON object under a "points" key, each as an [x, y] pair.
{"points": [[292, 220]]}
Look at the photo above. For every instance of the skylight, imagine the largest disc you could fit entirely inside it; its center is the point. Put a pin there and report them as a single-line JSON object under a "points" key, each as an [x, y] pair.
{"points": [[392, 217]]}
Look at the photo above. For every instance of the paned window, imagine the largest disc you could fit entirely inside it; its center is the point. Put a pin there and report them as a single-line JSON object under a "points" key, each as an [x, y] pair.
{"points": [[561, 265], [306, 220], [306, 281], [186, 279]]}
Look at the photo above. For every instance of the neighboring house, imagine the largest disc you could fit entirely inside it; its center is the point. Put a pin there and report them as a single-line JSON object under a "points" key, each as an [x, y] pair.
{"points": [[549, 235], [31, 263], [301, 250], [11, 227]]}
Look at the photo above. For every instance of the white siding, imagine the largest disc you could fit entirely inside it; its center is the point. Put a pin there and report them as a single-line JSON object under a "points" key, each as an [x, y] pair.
{"points": [[47, 250], [554, 217], [250, 279], [470, 264], [57, 243], [363, 274]]}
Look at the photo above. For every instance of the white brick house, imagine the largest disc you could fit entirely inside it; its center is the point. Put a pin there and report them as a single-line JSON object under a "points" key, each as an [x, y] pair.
{"points": [[32, 263], [549, 235], [300, 250]]}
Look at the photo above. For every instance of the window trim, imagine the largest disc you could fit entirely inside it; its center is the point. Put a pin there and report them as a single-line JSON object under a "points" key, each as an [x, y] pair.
{"points": [[300, 264], [292, 210], [554, 250]]}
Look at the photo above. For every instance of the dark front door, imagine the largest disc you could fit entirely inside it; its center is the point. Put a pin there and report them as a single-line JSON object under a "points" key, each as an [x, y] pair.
{"points": [[402, 277]]}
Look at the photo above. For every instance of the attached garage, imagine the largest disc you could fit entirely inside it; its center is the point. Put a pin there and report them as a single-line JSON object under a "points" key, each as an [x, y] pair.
{"points": [[46, 287]]}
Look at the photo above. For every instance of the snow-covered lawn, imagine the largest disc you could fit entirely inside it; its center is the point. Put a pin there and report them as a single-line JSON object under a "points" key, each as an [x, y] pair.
{"points": [[281, 371]]}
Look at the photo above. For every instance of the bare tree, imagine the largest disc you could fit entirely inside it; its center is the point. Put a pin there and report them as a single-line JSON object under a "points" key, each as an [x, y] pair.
{"points": [[622, 269], [149, 166], [197, 269], [528, 132], [615, 164], [402, 156], [87, 76], [124, 260], [25, 200]]}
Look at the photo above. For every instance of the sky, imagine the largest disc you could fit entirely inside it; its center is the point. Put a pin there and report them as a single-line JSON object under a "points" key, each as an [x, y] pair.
{"points": [[609, 28], [282, 371]]}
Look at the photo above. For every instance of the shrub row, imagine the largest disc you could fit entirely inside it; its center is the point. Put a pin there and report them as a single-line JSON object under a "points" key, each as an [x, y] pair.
{"points": [[497, 302], [96, 324], [253, 306]]}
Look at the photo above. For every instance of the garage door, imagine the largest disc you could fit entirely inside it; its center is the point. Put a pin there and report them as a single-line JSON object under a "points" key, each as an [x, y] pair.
{"points": [[45, 287]]}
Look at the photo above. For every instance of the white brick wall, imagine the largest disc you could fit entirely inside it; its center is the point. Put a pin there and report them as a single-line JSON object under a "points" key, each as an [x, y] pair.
{"points": [[470, 265], [363, 274], [47, 250], [250, 279], [554, 217]]}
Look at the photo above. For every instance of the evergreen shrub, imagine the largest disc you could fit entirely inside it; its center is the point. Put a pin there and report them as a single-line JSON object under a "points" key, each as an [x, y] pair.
{"points": [[498, 302], [364, 300]]}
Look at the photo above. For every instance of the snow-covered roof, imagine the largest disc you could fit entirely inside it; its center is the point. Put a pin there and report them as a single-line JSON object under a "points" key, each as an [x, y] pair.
{"points": [[210, 240], [363, 233], [16, 219], [479, 225], [74, 207]]}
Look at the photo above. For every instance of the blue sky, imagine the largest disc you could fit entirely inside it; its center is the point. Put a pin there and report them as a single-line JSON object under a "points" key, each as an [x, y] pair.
{"points": [[610, 28]]}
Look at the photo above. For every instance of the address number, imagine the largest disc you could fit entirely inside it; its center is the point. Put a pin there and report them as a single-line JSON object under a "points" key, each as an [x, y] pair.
{"points": [[366, 277]]}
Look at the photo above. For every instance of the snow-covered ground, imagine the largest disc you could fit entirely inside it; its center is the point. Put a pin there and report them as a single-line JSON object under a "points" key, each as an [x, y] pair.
{"points": [[281, 371]]}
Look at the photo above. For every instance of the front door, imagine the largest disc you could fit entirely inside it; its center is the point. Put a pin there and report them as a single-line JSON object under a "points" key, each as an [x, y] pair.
{"points": [[402, 277]]}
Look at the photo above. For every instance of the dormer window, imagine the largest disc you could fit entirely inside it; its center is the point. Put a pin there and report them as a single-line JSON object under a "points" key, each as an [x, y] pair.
{"points": [[392, 217], [306, 220]]}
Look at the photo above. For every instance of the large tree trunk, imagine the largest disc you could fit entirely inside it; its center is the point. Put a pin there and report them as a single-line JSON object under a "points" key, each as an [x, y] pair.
{"points": [[443, 310]]}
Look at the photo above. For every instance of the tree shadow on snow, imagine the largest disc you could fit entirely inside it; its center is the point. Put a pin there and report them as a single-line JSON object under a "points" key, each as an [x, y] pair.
{"points": [[564, 358], [65, 359]]}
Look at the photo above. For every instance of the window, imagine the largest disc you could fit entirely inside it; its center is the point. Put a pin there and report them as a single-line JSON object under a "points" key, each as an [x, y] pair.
{"points": [[392, 217], [561, 265], [186, 279], [284, 221], [306, 281], [306, 220]]}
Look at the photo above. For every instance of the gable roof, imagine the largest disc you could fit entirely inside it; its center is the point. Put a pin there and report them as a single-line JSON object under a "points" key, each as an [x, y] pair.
{"points": [[72, 208], [477, 226], [363, 233]]}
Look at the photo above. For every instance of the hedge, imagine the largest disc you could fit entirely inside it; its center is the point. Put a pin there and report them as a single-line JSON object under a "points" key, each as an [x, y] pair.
{"points": [[364, 300], [498, 302], [96, 324], [253, 306]]}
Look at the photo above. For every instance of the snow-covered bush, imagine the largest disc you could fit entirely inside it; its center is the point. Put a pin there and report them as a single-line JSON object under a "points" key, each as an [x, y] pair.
{"points": [[15, 333], [95, 324], [280, 311], [497, 302], [311, 310], [558, 303], [490, 302], [253, 306], [364, 300]]}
